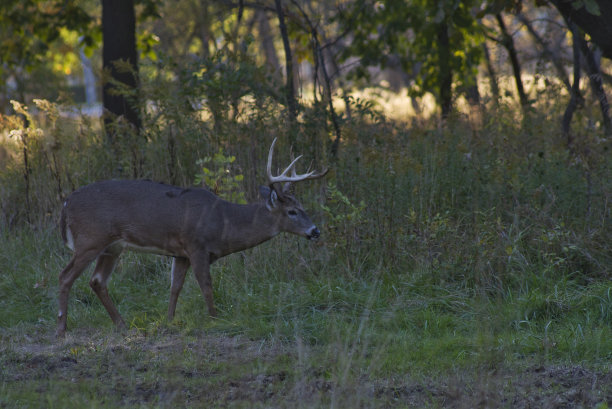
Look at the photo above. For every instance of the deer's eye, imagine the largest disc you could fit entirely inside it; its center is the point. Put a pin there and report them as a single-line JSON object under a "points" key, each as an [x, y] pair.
{"points": [[292, 213]]}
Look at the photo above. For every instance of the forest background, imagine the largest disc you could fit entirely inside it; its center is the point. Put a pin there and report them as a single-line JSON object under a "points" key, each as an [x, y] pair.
{"points": [[465, 257]]}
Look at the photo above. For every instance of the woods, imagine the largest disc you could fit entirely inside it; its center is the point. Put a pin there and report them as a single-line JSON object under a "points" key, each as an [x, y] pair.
{"points": [[436, 47], [463, 255]]}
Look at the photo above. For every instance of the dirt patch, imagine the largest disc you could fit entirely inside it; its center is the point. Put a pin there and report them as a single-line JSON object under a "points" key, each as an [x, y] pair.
{"points": [[171, 369], [562, 387], [536, 387]]}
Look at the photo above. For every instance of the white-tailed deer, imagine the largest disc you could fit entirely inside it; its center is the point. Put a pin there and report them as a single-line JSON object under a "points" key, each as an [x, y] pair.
{"points": [[193, 225]]}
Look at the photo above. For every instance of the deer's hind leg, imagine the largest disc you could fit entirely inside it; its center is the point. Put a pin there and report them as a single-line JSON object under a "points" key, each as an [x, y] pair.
{"points": [[76, 266], [104, 267]]}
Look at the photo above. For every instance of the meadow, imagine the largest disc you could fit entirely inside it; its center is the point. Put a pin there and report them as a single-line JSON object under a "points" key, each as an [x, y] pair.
{"points": [[464, 264]]}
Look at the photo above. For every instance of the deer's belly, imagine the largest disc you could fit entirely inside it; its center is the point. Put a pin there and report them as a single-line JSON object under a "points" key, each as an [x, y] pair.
{"points": [[147, 249]]}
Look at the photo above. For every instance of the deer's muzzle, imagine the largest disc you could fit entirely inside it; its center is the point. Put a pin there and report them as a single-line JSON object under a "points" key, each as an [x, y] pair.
{"points": [[313, 233]]}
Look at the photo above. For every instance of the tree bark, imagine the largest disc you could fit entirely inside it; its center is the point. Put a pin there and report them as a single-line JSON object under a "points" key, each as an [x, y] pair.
{"points": [[118, 34], [508, 43], [492, 75], [266, 42], [289, 87]]}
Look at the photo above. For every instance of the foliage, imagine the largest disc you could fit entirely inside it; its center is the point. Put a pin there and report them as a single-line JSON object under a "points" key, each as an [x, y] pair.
{"points": [[37, 38], [344, 221], [219, 178], [30, 27], [226, 78], [395, 32], [46, 157]]}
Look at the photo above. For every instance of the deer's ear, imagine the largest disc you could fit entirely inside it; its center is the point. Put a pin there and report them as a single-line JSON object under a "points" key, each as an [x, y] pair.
{"points": [[274, 197], [270, 196]]}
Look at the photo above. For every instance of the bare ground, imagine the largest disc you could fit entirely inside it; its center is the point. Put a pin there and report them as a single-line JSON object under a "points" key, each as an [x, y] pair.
{"points": [[171, 369]]}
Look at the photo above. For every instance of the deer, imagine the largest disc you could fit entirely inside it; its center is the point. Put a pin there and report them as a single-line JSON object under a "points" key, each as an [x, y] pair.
{"points": [[193, 225]]}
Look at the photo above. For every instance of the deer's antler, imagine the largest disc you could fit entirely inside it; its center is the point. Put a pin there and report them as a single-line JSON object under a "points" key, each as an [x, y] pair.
{"points": [[283, 177]]}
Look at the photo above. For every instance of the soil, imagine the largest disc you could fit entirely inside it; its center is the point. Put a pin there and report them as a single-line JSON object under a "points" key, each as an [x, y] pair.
{"points": [[224, 371]]}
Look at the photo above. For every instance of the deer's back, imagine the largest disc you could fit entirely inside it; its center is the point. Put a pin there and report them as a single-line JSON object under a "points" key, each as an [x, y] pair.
{"points": [[138, 212]]}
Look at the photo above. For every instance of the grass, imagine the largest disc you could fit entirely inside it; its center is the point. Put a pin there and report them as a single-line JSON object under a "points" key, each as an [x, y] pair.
{"points": [[289, 334], [458, 267]]}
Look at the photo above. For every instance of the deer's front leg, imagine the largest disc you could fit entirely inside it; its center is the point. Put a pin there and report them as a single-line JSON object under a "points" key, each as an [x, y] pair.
{"points": [[200, 262]]}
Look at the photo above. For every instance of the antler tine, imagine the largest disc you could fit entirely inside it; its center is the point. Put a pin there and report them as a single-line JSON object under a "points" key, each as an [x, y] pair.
{"points": [[283, 177], [290, 167], [295, 177], [269, 165], [310, 175]]}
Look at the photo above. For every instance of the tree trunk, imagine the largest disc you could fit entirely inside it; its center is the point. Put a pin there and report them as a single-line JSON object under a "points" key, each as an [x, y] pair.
{"points": [[553, 56], [118, 33], [576, 98], [598, 27], [289, 86], [446, 73], [492, 75], [319, 58], [328, 88], [595, 79], [472, 94], [508, 43], [203, 26], [266, 42]]}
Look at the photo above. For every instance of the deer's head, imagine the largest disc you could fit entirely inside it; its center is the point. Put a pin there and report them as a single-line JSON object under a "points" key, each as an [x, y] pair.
{"points": [[280, 201]]}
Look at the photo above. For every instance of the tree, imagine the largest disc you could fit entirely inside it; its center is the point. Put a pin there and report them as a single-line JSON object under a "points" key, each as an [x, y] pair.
{"points": [[593, 17], [292, 106], [29, 30], [575, 99], [552, 54], [439, 41], [266, 41], [508, 42], [595, 79], [120, 61], [590, 17]]}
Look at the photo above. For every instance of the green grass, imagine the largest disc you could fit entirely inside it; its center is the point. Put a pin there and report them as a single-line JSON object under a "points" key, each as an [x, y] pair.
{"points": [[286, 331], [455, 265]]}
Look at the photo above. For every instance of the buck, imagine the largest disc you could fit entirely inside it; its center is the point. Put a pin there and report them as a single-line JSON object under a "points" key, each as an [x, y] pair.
{"points": [[193, 225]]}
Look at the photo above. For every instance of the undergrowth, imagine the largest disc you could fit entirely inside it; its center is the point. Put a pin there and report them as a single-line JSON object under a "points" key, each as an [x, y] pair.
{"points": [[421, 227], [442, 247]]}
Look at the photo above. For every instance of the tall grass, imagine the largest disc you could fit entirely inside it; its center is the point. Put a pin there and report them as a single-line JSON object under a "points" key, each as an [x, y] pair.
{"points": [[442, 247]]}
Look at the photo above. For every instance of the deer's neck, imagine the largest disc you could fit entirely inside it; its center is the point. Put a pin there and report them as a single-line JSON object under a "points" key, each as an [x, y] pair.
{"points": [[245, 226]]}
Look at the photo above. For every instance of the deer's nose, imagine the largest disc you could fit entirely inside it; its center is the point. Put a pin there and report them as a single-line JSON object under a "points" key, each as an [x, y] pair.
{"points": [[314, 233]]}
